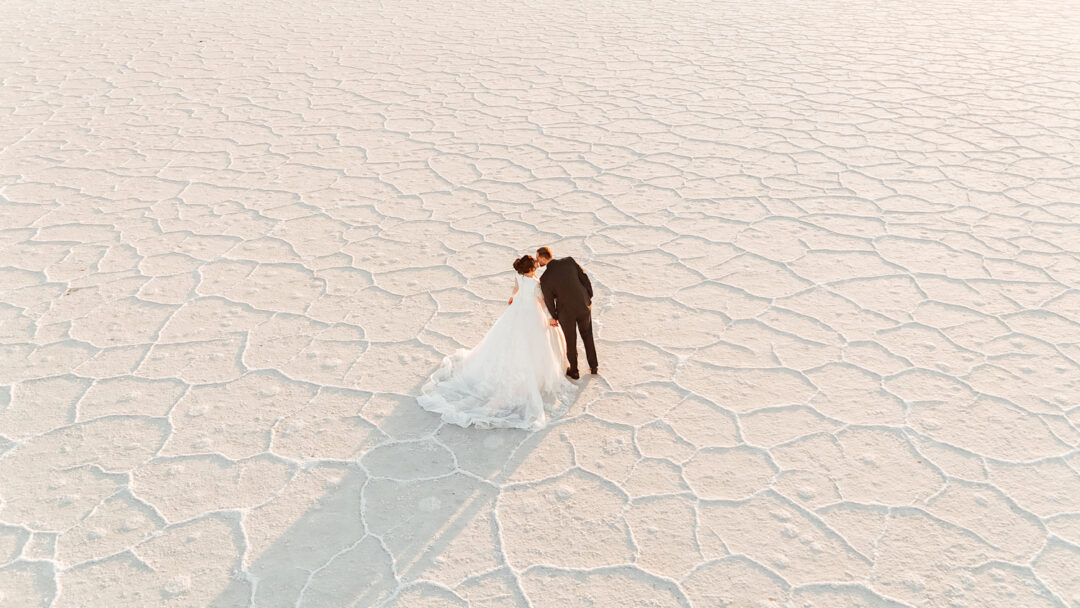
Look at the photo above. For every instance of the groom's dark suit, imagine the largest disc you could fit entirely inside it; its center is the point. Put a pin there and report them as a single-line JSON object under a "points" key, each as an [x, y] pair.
{"points": [[568, 295]]}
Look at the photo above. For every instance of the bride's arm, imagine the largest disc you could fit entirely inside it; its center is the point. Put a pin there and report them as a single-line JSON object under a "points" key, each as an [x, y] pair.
{"points": [[515, 292]]}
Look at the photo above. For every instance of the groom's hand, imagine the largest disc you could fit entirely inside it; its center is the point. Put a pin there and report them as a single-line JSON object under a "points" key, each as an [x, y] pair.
{"points": [[553, 322]]}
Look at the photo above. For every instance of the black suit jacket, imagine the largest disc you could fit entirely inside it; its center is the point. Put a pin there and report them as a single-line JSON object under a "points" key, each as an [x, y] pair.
{"points": [[566, 288]]}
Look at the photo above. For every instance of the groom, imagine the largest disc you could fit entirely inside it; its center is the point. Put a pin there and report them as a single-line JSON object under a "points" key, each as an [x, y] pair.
{"points": [[568, 295]]}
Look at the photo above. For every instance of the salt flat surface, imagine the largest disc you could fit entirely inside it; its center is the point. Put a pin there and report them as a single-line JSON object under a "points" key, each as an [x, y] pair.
{"points": [[837, 253]]}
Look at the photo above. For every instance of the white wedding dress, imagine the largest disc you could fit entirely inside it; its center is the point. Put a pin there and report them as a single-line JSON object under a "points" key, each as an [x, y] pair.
{"points": [[513, 378]]}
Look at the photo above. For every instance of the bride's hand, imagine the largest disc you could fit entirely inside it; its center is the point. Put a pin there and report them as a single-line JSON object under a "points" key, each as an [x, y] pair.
{"points": [[511, 301]]}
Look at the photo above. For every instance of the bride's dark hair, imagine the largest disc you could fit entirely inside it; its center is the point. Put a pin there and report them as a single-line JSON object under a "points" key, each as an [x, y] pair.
{"points": [[525, 264]]}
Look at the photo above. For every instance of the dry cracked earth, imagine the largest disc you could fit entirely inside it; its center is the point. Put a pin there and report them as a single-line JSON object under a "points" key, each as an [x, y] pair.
{"points": [[837, 253]]}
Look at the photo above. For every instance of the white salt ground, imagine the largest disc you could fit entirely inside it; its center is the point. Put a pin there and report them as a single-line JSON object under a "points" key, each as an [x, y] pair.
{"points": [[836, 248]]}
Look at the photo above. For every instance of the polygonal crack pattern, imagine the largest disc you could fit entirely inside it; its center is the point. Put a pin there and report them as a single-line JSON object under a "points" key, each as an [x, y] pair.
{"points": [[836, 250]]}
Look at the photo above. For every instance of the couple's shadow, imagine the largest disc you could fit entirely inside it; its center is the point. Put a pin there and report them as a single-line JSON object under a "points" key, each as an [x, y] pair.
{"points": [[387, 519]]}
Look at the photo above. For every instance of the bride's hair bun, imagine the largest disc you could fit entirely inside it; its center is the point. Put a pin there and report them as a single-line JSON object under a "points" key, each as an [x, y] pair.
{"points": [[525, 264]]}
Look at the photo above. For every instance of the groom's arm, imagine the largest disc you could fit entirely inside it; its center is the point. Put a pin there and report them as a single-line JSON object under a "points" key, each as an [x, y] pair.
{"points": [[584, 278], [549, 298]]}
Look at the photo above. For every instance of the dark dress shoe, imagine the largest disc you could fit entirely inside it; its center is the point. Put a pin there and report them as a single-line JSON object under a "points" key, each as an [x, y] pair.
{"points": [[592, 371], [572, 373]]}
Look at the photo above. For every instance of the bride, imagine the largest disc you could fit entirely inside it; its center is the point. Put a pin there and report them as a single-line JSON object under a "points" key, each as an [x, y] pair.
{"points": [[514, 375]]}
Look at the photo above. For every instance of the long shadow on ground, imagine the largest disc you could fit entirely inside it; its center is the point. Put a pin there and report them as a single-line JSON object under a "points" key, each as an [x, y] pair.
{"points": [[338, 553]]}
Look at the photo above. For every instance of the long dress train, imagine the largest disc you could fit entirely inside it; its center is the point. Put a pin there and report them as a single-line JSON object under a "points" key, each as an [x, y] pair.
{"points": [[513, 378]]}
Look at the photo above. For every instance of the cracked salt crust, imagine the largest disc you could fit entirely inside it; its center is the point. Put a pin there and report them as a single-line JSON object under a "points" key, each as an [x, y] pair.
{"points": [[835, 248]]}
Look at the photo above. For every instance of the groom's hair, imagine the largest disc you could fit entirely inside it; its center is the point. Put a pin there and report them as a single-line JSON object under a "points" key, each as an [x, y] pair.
{"points": [[543, 252]]}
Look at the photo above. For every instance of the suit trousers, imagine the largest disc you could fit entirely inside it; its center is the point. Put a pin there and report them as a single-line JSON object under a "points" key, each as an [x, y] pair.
{"points": [[572, 324]]}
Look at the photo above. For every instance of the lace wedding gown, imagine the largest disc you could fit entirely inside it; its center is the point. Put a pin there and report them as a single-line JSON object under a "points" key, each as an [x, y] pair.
{"points": [[512, 378]]}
